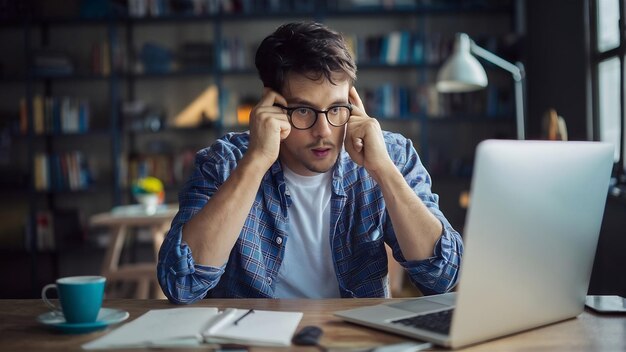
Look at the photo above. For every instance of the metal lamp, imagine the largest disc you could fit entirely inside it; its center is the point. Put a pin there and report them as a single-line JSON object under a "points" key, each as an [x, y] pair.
{"points": [[462, 72]]}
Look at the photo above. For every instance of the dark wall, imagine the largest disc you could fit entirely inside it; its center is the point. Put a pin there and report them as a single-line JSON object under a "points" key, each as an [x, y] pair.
{"points": [[557, 64]]}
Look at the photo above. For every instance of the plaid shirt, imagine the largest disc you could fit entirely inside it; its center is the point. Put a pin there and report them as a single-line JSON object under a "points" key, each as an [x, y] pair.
{"points": [[360, 226]]}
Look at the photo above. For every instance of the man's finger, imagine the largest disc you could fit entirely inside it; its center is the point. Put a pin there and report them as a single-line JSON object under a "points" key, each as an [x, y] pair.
{"points": [[356, 99], [354, 150], [358, 144], [270, 97], [279, 99], [285, 129], [357, 111]]}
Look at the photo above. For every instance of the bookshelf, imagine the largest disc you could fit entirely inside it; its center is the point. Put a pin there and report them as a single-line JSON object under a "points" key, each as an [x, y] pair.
{"points": [[132, 79]]}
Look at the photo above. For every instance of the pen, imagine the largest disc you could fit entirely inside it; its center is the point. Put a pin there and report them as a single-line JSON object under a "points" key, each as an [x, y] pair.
{"points": [[243, 316], [221, 320]]}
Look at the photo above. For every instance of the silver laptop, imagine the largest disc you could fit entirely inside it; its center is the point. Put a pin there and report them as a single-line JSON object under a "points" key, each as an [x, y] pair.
{"points": [[530, 239]]}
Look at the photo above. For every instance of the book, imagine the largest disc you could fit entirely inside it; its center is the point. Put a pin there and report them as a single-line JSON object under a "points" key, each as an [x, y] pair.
{"points": [[198, 326]]}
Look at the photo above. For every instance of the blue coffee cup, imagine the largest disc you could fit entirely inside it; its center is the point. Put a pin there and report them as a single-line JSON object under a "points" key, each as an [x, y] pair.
{"points": [[80, 297]]}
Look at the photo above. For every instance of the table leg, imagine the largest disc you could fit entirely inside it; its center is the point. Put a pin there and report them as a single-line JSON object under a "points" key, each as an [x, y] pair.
{"points": [[142, 291], [112, 256]]}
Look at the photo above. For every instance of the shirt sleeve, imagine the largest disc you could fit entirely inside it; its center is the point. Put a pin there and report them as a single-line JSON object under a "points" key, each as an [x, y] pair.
{"points": [[438, 273], [181, 279]]}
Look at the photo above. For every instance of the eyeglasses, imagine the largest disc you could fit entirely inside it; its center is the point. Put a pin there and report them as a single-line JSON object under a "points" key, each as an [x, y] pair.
{"points": [[304, 117]]}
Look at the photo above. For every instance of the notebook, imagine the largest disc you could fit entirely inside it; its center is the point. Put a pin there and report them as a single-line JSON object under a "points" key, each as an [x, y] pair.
{"points": [[195, 326], [530, 238]]}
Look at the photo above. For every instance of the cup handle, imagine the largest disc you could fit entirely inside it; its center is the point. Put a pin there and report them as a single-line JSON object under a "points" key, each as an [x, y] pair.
{"points": [[45, 298]]}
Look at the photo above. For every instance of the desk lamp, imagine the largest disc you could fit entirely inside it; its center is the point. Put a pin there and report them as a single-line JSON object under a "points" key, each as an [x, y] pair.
{"points": [[462, 73]]}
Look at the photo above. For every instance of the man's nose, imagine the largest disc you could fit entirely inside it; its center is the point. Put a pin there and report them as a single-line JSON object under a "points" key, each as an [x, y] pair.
{"points": [[322, 128]]}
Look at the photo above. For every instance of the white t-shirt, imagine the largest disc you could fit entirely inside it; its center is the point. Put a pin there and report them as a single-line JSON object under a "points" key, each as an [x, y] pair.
{"points": [[307, 270]]}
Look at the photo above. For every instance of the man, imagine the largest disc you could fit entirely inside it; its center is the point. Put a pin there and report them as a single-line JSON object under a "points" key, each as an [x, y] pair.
{"points": [[303, 204]]}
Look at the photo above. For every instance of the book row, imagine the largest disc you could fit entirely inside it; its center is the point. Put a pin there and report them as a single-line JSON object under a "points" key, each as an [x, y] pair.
{"points": [[61, 171], [54, 115]]}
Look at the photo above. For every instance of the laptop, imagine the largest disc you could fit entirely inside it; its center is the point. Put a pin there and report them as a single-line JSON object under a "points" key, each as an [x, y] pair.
{"points": [[530, 238]]}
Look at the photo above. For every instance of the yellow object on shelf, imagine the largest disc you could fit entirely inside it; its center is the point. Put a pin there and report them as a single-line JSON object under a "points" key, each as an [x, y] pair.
{"points": [[150, 185], [149, 192]]}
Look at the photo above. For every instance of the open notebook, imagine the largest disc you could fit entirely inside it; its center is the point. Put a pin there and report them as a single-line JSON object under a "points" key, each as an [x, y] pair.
{"points": [[188, 327]]}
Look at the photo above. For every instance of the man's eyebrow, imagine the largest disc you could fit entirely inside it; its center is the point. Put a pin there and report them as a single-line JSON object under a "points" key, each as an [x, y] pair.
{"points": [[298, 101]]}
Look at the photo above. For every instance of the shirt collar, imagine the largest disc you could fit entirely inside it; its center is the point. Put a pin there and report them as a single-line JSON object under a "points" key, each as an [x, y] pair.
{"points": [[338, 173], [276, 173]]}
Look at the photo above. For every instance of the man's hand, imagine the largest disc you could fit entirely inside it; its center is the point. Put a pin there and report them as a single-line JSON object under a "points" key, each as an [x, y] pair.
{"points": [[269, 125], [364, 139], [416, 228], [212, 232]]}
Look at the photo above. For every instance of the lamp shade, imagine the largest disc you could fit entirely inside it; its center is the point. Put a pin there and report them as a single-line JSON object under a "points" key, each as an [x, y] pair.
{"points": [[461, 72]]}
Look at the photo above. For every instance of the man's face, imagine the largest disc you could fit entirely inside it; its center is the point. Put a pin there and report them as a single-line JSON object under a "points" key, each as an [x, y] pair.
{"points": [[315, 150]]}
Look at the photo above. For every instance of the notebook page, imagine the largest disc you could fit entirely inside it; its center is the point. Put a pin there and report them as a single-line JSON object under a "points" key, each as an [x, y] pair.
{"points": [[260, 328], [171, 327]]}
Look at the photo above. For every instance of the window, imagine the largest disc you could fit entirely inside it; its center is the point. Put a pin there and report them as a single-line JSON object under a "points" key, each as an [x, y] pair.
{"points": [[608, 70], [608, 102], [607, 15]]}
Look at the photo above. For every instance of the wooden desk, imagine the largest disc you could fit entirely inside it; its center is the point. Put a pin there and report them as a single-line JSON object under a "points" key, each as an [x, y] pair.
{"points": [[120, 220], [19, 330]]}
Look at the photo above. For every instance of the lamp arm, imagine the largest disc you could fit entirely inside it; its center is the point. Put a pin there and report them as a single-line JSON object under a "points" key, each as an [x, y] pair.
{"points": [[520, 122], [518, 74], [517, 70]]}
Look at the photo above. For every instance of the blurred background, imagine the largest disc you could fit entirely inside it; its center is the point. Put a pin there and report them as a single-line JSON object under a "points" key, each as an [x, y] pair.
{"points": [[100, 97]]}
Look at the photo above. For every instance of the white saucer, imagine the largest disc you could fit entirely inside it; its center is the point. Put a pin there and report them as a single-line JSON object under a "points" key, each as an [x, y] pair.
{"points": [[106, 317]]}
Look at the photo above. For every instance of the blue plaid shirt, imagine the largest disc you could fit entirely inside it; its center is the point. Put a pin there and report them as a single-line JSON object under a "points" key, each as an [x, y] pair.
{"points": [[360, 227]]}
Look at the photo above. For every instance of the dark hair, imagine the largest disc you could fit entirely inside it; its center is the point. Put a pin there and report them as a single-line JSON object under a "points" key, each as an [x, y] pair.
{"points": [[307, 48]]}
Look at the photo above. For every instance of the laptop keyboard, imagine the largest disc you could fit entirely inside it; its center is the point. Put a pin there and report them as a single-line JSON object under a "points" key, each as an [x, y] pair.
{"points": [[437, 321]]}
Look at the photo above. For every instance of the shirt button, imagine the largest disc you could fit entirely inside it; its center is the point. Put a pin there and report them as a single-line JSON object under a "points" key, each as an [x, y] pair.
{"points": [[279, 240], [269, 281]]}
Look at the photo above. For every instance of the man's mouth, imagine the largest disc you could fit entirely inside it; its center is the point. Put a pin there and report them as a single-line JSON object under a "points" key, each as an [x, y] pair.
{"points": [[320, 152]]}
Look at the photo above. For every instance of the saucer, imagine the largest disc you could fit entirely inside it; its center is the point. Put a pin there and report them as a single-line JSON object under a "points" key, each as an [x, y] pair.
{"points": [[106, 317]]}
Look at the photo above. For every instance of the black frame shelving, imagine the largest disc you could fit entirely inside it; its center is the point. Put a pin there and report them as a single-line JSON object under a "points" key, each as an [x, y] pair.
{"points": [[125, 81]]}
